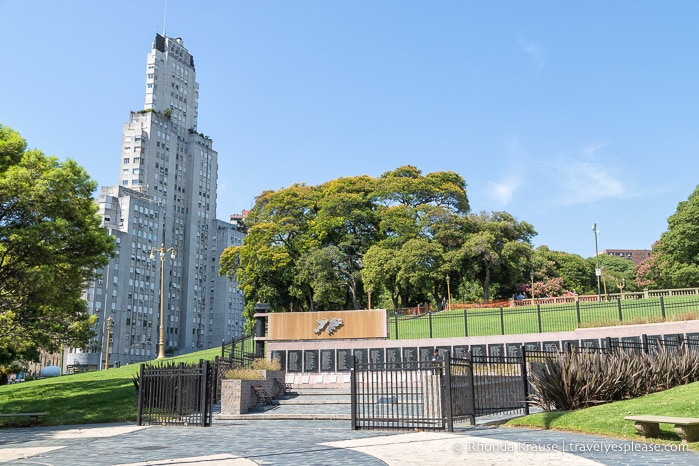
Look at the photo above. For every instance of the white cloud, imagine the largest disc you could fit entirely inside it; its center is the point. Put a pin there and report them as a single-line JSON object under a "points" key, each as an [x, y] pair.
{"points": [[535, 52], [502, 191], [587, 179]]}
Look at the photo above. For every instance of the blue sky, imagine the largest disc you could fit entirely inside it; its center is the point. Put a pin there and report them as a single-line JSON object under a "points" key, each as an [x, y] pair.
{"points": [[563, 114]]}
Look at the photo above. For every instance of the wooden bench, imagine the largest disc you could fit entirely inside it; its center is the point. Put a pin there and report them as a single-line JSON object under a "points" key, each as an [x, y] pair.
{"points": [[648, 426], [33, 417], [263, 397]]}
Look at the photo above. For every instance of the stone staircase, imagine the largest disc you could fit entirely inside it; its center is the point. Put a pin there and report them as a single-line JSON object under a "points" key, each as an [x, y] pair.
{"points": [[301, 403]]}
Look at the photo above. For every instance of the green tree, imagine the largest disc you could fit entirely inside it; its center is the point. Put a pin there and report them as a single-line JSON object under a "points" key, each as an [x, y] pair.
{"points": [[51, 243], [499, 250], [675, 256]]}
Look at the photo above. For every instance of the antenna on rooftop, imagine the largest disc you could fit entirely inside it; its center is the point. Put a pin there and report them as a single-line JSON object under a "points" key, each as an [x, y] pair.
{"points": [[165, 19]]}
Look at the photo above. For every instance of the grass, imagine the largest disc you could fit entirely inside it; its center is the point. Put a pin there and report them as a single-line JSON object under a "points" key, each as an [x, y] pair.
{"points": [[608, 419], [86, 398], [545, 318]]}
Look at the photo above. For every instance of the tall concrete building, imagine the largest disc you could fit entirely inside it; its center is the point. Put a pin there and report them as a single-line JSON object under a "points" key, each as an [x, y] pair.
{"points": [[165, 202]]}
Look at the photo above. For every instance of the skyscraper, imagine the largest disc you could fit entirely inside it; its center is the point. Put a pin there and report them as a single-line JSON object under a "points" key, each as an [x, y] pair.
{"points": [[166, 198]]}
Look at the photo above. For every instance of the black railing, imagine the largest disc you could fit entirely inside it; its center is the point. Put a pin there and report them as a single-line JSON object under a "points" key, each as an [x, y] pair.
{"points": [[535, 319], [397, 396], [241, 350], [176, 395]]}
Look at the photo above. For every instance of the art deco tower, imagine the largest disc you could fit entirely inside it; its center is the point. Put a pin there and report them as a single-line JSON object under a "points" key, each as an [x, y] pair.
{"points": [[166, 197]]}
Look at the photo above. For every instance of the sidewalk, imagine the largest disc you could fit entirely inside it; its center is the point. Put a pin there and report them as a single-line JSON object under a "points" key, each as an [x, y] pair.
{"points": [[318, 442]]}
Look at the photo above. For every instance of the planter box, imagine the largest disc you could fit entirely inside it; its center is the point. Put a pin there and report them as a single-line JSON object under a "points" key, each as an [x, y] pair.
{"points": [[237, 395]]}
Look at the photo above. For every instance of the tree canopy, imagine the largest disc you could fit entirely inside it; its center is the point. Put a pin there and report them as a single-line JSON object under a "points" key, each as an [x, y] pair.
{"points": [[396, 238], [674, 261], [51, 243]]}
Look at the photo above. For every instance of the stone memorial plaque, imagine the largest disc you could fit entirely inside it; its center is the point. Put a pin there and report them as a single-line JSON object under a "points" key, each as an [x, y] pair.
{"points": [[590, 343], [532, 346], [571, 343], [426, 353], [361, 355], [613, 341], [496, 350], [445, 351], [293, 361], [281, 356], [344, 360], [693, 341], [310, 361], [327, 360], [514, 350], [393, 358], [551, 346], [377, 356], [410, 357], [460, 351], [478, 351]]}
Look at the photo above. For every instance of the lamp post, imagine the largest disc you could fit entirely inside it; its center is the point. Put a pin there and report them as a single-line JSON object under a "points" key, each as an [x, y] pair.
{"points": [[110, 322], [162, 251], [448, 293], [598, 271]]}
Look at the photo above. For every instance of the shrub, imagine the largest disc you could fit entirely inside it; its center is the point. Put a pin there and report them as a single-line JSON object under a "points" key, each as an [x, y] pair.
{"points": [[243, 374], [579, 379], [266, 365]]}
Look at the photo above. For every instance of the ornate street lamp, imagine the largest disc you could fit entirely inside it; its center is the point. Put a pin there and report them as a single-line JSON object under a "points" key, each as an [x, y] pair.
{"points": [[448, 294], [162, 251], [110, 322], [598, 271]]}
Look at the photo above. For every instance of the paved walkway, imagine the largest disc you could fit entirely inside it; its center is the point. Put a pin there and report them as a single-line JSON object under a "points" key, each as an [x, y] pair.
{"points": [[319, 442]]}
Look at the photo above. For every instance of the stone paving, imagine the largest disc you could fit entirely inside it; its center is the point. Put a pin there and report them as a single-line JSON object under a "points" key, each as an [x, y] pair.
{"points": [[318, 442]]}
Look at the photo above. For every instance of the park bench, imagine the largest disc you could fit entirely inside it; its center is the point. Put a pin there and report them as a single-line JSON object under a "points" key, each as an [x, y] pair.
{"points": [[33, 417], [284, 387], [263, 396], [648, 426]]}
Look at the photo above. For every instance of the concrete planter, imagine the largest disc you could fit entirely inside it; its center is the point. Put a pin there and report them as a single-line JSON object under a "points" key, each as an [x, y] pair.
{"points": [[237, 395]]}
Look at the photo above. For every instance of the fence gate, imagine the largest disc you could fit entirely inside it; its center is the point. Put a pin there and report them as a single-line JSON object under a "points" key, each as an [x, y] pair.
{"points": [[397, 396], [485, 386], [435, 396], [176, 395]]}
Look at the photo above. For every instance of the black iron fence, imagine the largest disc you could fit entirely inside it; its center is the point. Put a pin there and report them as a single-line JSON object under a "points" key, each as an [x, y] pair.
{"points": [[397, 396], [241, 350], [176, 394], [436, 395], [535, 319]]}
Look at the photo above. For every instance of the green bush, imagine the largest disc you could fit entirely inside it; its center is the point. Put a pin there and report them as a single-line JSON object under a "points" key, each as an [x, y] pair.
{"points": [[579, 379]]}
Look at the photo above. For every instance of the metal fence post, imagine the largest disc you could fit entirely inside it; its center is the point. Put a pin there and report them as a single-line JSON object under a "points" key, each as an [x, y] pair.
{"points": [[618, 304], [662, 307], [577, 311], [395, 322], [472, 387], [502, 322], [447, 413], [353, 391], [644, 343], [139, 420], [538, 316], [429, 317], [525, 379], [465, 324]]}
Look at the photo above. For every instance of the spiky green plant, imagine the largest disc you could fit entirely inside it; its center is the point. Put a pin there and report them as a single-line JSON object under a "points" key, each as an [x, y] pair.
{"points": [[579, 379]]}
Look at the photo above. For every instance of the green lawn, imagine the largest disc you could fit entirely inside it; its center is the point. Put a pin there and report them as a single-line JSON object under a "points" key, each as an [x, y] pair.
{"points": [[608, 419], [89, 397], [544, 318]]}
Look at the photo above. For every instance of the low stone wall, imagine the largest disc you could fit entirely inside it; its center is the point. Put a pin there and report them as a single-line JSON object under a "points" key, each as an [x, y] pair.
{"points": [[238, 396]]}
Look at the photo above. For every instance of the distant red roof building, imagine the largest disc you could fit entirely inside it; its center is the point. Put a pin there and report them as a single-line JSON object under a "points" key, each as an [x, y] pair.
{"points": [[635, 255]]}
